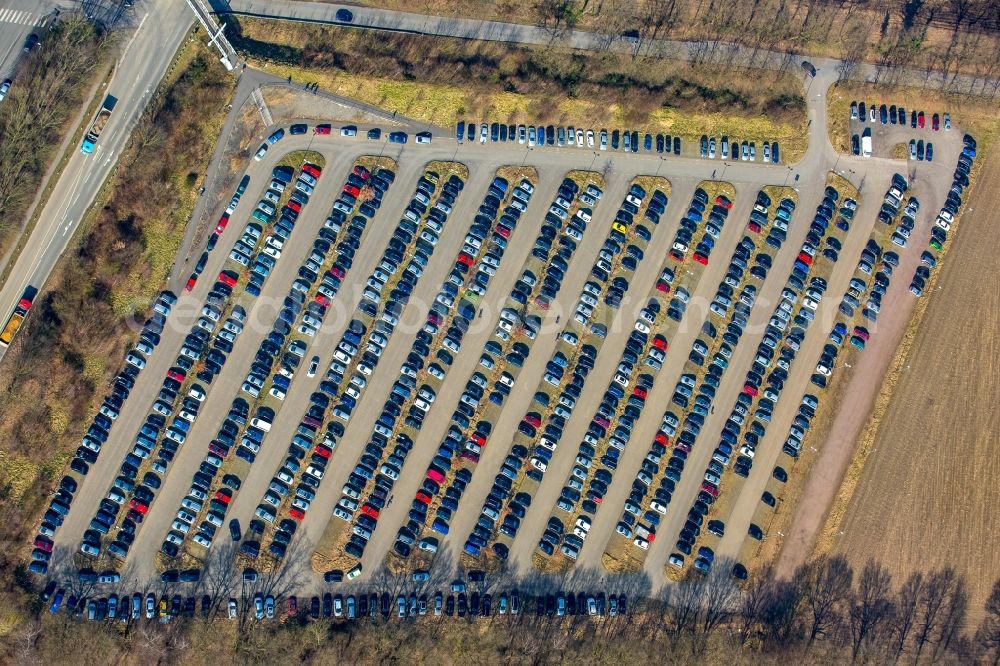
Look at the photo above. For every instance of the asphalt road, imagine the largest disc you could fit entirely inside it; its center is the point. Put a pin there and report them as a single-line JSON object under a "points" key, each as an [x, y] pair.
{"points": [[143, 62]]}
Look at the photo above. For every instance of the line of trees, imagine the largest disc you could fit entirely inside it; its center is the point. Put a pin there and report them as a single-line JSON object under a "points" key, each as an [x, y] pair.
{"points": [[825, 613], [943, 38]]}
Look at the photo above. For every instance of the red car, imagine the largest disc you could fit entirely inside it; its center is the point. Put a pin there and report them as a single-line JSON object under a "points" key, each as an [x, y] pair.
{"points": [[176, 374], [312, 169], [542, 302], [191, 282], [935, 122], [724, 202], [660, 342], [920, 120], [661, 438], [221, 226], [136, 505], [323, 451], [478, 439], [43, 544], [224, 496], [293, 606], [503, 231], [700, 258], [321, 129], [297, 514], [322, 300], [361, 172], [677, 256], [216, 449], [295, 206], [337, 272], [683, 446], [470, 456], [369, 510], [662, 285], [465, 259], [754, 227], [750, 389], [532, 419], [709, 488], [353, 190], [227, 278], [861, 332], [601, 421], [423, 497], [805, 258], [640, 392]]}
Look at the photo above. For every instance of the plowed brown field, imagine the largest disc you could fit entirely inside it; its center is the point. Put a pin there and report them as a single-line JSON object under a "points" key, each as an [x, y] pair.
{"points": [[929, 492]]}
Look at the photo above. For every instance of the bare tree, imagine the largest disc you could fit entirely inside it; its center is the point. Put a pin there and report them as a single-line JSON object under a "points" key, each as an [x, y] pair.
{"points": [[953, 619], [556, 16], [871, 606], [719, 594], [683, 602], [988, 633], [906, 611], [750, 606], [932, 601], [221, 575], [780, 610], [826, 585]]}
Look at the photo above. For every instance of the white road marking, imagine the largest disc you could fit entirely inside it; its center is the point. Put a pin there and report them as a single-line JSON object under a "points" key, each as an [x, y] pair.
{"points": [[17, 17]]}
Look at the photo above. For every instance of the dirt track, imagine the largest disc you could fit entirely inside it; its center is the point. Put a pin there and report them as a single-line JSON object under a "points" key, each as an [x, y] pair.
{"points": [[927, 495]]}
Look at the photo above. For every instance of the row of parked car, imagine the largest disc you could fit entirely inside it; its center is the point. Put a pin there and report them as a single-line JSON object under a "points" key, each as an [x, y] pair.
{"points": [[300, 318], [149, 444], [219, 228], [647, 503], [745, 151], [572, 137], [418, 232], [539, 283], [482, 250], [712, 350], [611, 427], [455, 602], [946, 216], [98, 431], [202, 511], [896, 115]]}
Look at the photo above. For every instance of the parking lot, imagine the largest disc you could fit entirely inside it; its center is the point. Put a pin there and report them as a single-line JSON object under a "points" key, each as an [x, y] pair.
{"points": [[423, 354]]}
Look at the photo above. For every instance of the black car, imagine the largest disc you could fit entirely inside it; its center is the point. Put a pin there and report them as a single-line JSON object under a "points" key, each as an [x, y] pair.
{"points": [[344, 16]]}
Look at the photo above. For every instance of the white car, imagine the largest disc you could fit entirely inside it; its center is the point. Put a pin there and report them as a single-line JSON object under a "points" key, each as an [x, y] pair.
{"points": [[4, 89]]}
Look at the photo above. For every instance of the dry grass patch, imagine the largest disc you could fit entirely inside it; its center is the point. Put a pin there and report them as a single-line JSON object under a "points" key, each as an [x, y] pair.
{"points": [[442, 80]]}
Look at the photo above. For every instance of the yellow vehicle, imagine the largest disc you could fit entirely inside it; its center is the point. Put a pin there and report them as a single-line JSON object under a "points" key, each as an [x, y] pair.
{"points": [[17, 317], [619, 227]]}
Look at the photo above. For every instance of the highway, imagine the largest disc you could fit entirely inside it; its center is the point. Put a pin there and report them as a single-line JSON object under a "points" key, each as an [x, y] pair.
{"points": [[143, 62]]}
